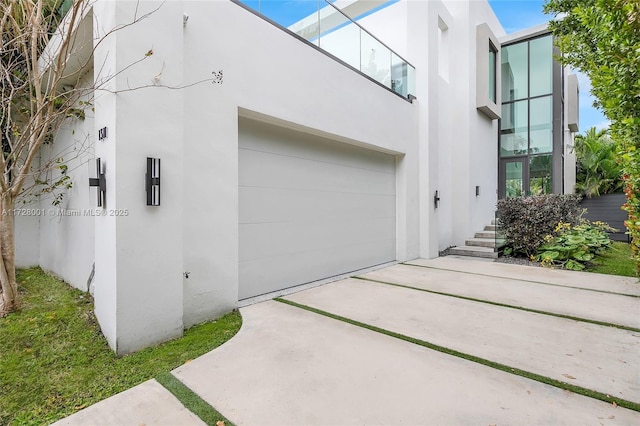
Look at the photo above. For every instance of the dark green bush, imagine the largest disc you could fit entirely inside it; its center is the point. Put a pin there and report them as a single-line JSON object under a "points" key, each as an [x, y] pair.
{"points": [[525, 221]]}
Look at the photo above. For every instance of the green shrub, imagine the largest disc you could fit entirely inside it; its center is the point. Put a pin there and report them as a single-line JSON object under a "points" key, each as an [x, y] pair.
{"points": [[631, 162], [572, 246], [525, 221]]}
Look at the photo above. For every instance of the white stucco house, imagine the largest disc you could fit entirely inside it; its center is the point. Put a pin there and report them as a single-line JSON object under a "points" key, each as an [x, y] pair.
{"points": [[289, 155]]}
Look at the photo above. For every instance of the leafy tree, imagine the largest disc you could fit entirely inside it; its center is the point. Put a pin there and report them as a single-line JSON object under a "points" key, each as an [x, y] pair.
{"points": [[28, 114], [599, 170], [602, 39]]}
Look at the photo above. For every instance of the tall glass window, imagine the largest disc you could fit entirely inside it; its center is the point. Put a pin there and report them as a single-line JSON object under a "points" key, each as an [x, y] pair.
{"points": [[541, 125], [515, 72], [515, 179], [514, 140], [541, 69], [526, 131]]}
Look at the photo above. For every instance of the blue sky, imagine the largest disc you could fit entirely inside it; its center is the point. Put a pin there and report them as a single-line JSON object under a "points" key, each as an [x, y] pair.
{"points": [[515, 15]]}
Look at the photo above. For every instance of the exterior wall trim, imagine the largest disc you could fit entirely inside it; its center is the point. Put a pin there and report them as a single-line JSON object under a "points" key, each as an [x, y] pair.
{"points": [[573, 97], [557, 170], [525, 34], [485, 39]]}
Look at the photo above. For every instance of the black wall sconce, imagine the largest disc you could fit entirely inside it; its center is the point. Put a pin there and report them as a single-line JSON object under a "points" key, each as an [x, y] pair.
{"points": [[436, 199], [101, 183], [477, 190], [152, 181]]}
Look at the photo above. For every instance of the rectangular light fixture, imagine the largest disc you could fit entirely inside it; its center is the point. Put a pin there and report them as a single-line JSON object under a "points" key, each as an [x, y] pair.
{"points": [[101, 182], [152, 181]]}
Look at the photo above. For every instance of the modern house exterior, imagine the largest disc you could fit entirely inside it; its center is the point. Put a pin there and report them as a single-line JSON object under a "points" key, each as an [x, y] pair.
{"points": [[242, 159]]}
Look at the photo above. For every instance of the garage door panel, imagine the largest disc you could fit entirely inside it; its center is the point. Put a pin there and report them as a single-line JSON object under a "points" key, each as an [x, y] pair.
{"points": [[296, 144], [271, 240], [277, 171], [267, 275], [263, 205], [310, 208]]}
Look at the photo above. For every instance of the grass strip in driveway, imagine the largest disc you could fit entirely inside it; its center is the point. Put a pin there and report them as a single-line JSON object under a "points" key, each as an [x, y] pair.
{"points": [[504, 305], [191, 400], [519, 279], [516, 371]]}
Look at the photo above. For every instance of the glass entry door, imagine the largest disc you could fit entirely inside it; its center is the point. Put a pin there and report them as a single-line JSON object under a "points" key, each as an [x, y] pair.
{"points": [[513, 177]]}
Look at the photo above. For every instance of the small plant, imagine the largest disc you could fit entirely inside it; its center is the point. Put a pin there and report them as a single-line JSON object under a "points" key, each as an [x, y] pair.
{"points": [[572, 246]]}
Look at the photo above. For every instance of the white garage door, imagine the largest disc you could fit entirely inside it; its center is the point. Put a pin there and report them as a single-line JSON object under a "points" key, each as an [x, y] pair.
{"points": [[310, 208]]}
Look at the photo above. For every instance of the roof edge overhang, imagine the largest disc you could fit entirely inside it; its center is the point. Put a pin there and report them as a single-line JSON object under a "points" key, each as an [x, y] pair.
{"points": [[74, 57], [525, 34]]}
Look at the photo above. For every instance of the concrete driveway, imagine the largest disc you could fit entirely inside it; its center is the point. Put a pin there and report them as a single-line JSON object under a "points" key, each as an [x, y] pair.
{"points": [[432, 342]]}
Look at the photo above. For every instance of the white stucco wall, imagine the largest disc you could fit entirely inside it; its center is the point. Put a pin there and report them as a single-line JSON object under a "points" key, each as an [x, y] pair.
{"points": [[139, 270], [442, 114], [142, 296], [59, 238], [458, 145], [569, 154], [273, 76], [467, 140], [483, 135], [66, 244], [105, 248], [27, 232], [569, 163]]}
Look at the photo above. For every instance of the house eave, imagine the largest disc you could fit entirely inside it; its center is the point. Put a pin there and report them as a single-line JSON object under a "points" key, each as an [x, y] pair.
{"points": [[78, 53]]}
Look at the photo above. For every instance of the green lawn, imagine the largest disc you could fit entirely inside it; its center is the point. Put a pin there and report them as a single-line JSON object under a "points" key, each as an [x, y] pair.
{"points": [[54, 360], [615, 261]]}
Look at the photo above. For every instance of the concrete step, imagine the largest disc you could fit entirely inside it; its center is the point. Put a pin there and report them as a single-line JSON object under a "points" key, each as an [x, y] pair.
{"points": [[474, 251], [486, 234], [490, 228], [481, 242]]}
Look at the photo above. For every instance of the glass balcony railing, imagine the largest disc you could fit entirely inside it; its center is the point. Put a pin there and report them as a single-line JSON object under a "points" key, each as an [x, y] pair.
{"points": [[323, 24]]}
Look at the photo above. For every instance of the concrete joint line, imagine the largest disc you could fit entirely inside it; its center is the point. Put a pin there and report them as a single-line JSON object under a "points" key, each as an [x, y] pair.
{"points": [[516, 371], [504, 305], [520, 279]]}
